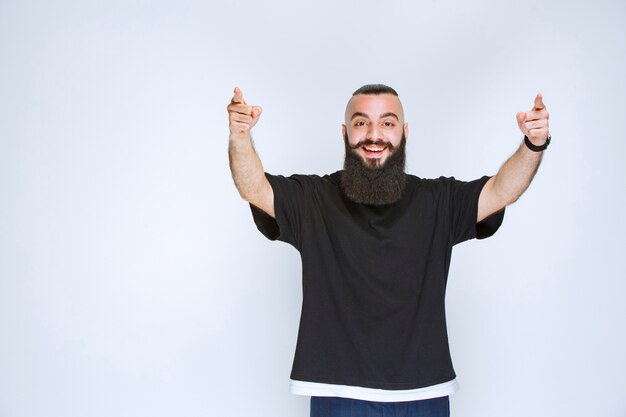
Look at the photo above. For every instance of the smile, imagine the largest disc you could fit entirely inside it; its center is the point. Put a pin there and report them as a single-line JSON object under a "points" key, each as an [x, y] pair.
{"points": [[373, 151]]}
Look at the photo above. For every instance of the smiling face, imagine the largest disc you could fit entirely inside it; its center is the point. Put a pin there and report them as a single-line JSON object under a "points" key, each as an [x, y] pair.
{"points": [[374, 127], [375, 135]]}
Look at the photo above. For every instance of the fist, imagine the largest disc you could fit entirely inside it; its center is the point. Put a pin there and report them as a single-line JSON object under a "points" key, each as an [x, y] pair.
{"points": [[241, 116], [534, 123]]}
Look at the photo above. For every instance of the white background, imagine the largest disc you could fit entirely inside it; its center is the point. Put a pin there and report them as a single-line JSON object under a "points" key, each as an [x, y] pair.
{"points": [[133, 281]]}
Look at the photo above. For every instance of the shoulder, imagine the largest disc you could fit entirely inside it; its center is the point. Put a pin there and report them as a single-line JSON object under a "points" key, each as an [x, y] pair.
{"points": [[302, 182], [444, 187], [429, 184], [293, 178], [323, 181], [443, 182]]}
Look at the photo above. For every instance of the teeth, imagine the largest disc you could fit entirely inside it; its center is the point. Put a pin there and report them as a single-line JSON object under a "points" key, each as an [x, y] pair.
{"points": [[374, 148]]}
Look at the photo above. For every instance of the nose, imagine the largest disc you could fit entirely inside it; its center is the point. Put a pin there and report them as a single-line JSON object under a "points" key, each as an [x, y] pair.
{"points": [[374, 132]]}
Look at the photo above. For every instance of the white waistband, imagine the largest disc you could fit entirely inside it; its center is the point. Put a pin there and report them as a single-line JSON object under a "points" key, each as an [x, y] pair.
{"points": [[316, 389]]}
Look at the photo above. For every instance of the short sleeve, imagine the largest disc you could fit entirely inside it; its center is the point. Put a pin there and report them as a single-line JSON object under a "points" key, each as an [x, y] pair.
{"points": [[463, 200], [290, 205]]}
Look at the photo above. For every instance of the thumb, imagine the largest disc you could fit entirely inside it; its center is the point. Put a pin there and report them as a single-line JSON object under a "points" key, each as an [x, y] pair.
{"points": [[255, 113], [521, 118]]}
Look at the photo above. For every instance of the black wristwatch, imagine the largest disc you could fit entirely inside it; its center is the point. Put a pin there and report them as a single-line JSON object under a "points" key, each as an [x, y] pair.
{"points": [[534, 147]]}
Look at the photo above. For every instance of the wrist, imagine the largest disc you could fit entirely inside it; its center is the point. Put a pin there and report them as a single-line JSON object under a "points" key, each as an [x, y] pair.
{"points": [[537, 148], [240, 136]]}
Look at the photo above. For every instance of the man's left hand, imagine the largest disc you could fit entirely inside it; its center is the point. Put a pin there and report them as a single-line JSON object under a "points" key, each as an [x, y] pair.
{"points": [[534, 123]]}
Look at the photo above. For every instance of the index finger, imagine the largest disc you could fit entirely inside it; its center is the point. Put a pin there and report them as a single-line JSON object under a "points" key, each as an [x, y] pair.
{"points": [[539, 102], [238, 96]]}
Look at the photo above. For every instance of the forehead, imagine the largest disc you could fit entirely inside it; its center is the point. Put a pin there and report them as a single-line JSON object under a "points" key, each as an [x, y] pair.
{"points": [[374, 105]]}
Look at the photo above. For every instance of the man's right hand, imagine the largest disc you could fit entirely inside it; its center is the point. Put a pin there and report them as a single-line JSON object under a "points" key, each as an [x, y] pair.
{"points": [[241, 116]]}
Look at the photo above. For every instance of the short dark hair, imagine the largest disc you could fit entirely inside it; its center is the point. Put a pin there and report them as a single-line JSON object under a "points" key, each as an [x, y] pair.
{"points": [[375, 89]]}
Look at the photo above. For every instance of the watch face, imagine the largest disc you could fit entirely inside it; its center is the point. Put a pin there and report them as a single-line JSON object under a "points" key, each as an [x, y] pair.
{"points": [[545, 145]]}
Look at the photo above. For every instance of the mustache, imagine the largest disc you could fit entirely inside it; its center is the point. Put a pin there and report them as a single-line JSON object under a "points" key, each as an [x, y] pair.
{"points": [[371, 142]]}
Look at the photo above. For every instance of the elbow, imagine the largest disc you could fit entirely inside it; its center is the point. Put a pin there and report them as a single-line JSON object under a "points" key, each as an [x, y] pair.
{"points": [[511, 200], [254, 194], [506, 199], [243, 190], [246, 195]]}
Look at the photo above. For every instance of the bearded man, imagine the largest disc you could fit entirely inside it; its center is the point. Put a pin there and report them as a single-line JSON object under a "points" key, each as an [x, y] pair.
{"points": [[376, 244]]}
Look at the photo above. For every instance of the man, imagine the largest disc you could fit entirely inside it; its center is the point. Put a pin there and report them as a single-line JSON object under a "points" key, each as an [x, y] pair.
{"points": [[375, 245]]}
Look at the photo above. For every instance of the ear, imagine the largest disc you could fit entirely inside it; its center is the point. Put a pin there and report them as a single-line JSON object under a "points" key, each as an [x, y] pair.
{"points": [[406, 130], [343, 131]]}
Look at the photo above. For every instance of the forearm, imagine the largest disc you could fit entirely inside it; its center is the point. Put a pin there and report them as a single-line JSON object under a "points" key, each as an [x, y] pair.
{"points": [[246, 168], [516, 174]]}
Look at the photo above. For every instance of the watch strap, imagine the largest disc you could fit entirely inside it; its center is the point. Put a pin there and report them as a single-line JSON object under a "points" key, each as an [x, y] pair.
{"points": [[534, 147]]}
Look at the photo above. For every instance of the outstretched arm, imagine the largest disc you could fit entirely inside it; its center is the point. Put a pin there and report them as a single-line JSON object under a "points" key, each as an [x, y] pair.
{"points": [[245, 165], [518, 171]]}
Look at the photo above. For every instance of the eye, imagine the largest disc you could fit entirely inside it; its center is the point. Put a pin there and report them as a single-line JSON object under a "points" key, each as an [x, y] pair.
{"points": [[359, 123], [389, 124]]}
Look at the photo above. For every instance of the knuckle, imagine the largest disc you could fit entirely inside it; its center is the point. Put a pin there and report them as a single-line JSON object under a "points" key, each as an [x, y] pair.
{"points": [[241, 127]]}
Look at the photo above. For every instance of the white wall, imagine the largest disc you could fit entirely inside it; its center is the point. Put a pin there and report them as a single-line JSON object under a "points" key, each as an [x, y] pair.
{"points": [[132, 279]]}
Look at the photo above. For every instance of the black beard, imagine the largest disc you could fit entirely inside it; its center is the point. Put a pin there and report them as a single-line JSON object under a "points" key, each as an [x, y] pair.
{"points": [[374, 184]]}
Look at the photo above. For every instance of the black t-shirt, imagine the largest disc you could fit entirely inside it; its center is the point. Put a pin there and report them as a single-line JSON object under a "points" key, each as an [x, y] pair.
{"points": [[374, 277]]}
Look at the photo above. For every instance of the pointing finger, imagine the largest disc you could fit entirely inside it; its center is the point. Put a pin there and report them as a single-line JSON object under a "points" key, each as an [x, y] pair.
{"points": [[539, 102], [238, 96]]}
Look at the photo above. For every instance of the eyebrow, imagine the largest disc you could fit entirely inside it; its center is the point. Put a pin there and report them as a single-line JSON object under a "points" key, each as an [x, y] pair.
{"points": [[390, 114], [361, 114]]}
